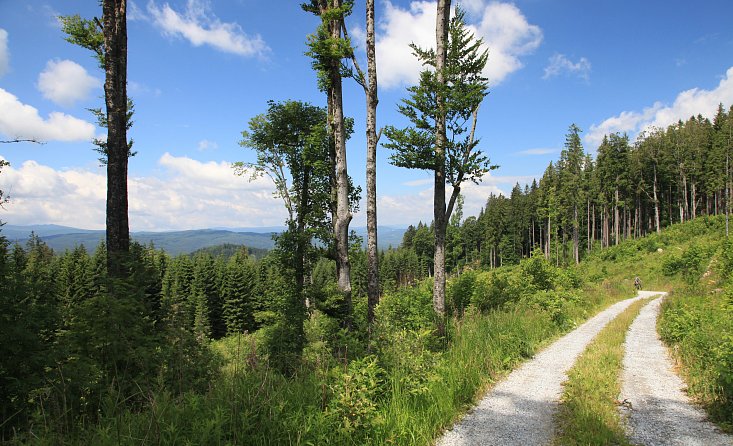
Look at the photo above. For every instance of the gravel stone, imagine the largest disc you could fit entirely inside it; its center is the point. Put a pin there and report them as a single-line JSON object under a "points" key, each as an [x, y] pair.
{"points": [[659, 412], [520, 409]]}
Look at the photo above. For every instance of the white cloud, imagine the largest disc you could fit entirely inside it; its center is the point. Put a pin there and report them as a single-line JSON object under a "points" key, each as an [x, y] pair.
{"points": [[560, 64], [505, 31], [534, 152], [409, 208], [135, 13], [688, 103], [4, 53], [66, 82], [420, 182], [200, 27], [205, 144], [187, 194], [18, 120]]}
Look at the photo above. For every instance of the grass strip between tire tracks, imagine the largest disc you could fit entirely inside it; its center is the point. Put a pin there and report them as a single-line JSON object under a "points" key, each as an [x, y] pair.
{"points": [[588, 412]]}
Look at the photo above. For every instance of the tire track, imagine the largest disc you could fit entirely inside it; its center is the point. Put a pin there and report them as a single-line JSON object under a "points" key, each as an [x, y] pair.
{"points": [[660, 412]]}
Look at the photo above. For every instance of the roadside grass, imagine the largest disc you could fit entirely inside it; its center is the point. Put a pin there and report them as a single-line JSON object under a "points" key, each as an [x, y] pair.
{"points": [[697, 324], [588, 412]]}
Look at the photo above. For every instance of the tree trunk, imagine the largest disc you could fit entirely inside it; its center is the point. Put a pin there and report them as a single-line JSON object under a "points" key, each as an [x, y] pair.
{"points": [[115, 93], [371, 167], [549, 237], [587, 224], [593, 227], [439, 208], [656, 203], [616, 228], [685, 204], [576, 236], [343, 214]]}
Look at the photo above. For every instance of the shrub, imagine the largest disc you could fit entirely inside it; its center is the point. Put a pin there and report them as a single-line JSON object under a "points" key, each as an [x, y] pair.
{"points": [[491, 290], [691, 263], [409, 309], [538, 272], [353, 409], [459, 292], [557, 303], [726, 260]]}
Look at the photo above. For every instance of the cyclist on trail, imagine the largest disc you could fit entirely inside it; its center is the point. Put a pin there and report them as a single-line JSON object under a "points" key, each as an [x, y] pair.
{"points": [[637, 283]]}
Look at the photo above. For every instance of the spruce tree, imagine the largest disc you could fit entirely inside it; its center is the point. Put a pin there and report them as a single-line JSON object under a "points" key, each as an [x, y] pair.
{"points": [[443, 110]]}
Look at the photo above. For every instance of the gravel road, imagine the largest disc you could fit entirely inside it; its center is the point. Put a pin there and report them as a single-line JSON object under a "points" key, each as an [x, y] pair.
{"points": [[520, 409], [660, 413]]}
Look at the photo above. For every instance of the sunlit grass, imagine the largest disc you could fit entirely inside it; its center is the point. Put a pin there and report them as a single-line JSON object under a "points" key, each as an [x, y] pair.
{"points": [[588, 411]]}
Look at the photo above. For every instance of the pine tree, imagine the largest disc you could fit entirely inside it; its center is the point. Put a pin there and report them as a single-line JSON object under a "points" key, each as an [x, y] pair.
{"points": [[238, 294]]}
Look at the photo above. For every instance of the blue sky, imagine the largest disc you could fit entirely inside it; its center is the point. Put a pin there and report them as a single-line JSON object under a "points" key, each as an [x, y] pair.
{"points": [[199, 70]]}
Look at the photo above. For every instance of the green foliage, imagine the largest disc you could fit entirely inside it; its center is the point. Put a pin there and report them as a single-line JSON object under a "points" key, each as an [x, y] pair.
{"points": [[353, 407], [493, 289], [538, 272], [326, 50], [408, 309], [557, 303], [725, 267], [690, 264], [84, 33], [24, 349], [460, 291], [463, 91]]}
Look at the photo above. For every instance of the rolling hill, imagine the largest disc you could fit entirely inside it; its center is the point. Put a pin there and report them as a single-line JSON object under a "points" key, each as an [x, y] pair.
{"points": [[61, 238]]}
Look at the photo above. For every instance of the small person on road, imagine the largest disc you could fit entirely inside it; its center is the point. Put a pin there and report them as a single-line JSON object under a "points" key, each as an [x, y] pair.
{"points": [[637, 283]]}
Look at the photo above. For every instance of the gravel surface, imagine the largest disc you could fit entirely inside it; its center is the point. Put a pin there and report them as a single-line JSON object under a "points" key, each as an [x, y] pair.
{"points": [[660, 412], [520, 409]]}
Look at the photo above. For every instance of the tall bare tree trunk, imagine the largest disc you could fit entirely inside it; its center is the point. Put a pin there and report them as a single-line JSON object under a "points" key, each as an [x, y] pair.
{"points": [[656, 203], [439, 207], [371, 166], [114, 13], [576, 235], [616, 228], [549, 238], [343, 214], [587, 224], [593, 227], [685, 203]]}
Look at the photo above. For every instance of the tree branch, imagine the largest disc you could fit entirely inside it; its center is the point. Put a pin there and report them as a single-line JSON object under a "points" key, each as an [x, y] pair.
{"points": [[360, 79], [11, 141]]}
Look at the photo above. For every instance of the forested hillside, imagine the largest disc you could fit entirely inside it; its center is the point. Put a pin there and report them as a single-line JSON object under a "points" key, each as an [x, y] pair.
{"points": [[626, 190]]}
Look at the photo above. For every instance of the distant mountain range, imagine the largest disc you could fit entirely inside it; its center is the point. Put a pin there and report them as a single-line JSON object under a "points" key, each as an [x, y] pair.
{"points": [[61, 238]]}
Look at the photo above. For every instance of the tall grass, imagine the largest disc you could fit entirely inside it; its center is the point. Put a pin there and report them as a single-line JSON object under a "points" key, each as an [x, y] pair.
{"points": [[343, 403], [588, 408], [697, 321], [698, 325]]}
